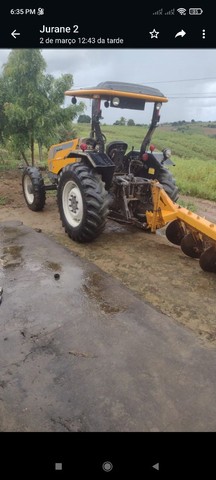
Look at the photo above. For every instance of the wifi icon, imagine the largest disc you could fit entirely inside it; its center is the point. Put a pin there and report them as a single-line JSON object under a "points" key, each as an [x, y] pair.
{"points": [[182, 11]]}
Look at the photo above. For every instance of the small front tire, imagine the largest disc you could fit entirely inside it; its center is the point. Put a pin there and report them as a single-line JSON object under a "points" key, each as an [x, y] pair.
{"points": [[33, 189]]}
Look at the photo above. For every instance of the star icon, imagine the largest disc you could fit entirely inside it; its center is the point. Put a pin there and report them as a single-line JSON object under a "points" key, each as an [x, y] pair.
{"points": [[154, 34]]}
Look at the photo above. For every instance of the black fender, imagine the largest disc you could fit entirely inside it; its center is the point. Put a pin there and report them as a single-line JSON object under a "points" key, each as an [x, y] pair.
{"points": [[152, 167], [99, 161], [162, 159]]}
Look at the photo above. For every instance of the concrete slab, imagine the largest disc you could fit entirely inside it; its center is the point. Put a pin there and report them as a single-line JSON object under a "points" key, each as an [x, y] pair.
{"points": [[82, 353]]}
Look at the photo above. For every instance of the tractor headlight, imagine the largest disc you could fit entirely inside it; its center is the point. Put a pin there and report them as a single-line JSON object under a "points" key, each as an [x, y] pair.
{"points": [[115, 101], [167, 152], [158, 106]]}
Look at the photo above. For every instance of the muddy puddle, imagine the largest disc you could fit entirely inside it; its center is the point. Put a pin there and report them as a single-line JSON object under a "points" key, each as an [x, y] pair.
{"points": [[95, 289], [11, 256]]}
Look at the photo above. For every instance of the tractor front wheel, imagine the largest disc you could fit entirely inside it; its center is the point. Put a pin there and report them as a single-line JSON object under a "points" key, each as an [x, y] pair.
{"points": [[33, 189], [82, 202]]}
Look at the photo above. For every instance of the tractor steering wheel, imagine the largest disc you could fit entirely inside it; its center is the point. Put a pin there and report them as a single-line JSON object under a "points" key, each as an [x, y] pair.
{"points": [[92, 142], [89, 141]]}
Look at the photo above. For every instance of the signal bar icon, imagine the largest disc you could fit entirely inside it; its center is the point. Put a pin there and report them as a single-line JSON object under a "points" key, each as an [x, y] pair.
{"points": [[171, 12], [158, 12]]}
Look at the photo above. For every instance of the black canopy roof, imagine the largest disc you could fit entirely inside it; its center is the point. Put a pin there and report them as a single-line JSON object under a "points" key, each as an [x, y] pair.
{"points": [[109, 89], [130, 87]]}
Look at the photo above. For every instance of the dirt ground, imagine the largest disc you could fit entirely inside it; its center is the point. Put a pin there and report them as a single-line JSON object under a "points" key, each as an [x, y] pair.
{"points": [[148, 264]]}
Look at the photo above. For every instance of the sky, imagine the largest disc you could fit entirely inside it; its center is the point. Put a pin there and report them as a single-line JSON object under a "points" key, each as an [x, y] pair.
{"points": [[186, 77]]}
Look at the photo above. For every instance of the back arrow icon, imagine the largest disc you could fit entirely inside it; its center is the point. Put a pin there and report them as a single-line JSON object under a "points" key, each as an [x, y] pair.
{"points": [[15, 33], [182, 33]]}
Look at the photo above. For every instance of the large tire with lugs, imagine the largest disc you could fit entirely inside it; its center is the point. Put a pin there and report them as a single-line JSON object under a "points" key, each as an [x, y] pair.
{"points": [[168, 183], [82, 202], [33, 189]]}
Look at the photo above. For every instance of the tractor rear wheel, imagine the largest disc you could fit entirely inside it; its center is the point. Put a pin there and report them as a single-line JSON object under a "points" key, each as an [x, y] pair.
{"points": [[33, 189], [168, 183], [82, 202]]}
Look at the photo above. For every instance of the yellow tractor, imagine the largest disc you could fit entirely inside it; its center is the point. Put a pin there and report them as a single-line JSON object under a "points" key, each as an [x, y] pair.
{"points": [[95, 180]]}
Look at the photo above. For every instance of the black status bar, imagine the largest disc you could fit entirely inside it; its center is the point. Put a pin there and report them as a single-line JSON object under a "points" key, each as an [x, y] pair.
{"points": [[45, 27]]}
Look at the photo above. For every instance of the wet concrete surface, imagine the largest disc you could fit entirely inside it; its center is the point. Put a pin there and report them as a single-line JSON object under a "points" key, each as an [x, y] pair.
{"points": [[82, 353]]}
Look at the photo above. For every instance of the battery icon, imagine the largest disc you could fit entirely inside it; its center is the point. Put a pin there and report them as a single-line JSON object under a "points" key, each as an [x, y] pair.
{"points": [[195, 11]]}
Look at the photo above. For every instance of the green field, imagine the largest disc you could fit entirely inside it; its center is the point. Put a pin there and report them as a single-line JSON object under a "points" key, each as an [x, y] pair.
{"points": [[193, 153], [193, 147]]}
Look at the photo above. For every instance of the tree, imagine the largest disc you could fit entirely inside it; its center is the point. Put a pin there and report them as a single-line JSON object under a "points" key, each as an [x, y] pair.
{"points": [[32, 101], [84, 119], [57, 119], [122, 121], [130, 122], [3, 119], [64, 133]]}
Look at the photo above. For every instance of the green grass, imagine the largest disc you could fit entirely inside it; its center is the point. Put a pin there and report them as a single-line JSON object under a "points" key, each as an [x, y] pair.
{"points": [[3, 200], [187, 204], [195, 177], [184, 144], [193, 153], [133, 136], [10, 160], [187, 145]]}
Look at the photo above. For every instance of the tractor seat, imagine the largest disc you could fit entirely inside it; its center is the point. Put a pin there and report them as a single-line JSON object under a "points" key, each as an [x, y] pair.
{"points": [[116, 151]]}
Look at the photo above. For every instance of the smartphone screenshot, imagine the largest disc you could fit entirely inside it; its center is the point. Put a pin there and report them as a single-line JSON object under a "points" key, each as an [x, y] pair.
{"points": [[107, 240]]}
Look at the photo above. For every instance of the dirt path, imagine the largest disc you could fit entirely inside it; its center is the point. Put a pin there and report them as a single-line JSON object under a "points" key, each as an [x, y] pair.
{"points": [[148, 264]]}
